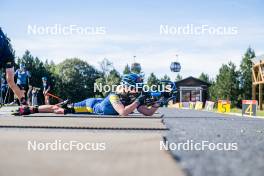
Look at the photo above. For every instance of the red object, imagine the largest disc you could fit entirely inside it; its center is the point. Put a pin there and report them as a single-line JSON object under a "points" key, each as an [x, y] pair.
{"points": [[249, 102], [224, 101], [54, 96]]}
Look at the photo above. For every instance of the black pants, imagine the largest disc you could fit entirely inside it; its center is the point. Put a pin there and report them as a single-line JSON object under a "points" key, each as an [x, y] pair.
{"points": [[23, 87]]}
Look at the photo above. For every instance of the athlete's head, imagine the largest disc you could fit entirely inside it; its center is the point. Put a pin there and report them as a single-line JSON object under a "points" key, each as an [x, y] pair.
{"points": [[132, 82], [22, 66], [44, 78]]}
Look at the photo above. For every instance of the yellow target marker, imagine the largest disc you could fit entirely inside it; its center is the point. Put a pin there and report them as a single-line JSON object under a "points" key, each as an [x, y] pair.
{"points": [[224, 106], [249, 107], [198, 105]]}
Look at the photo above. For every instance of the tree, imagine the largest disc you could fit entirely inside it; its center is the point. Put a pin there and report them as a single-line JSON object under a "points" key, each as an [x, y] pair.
{"points": [[110, 76], [165, 78], [106, 65], [76, 79], [152, 80], [246, 74], [35, 66], [227, 84], [136, 68], [204, 77], [113, 78], [127, 69], [178, 77]]}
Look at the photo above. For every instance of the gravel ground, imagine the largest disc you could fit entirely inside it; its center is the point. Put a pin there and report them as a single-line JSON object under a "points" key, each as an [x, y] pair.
{"points": [[200, 126]]}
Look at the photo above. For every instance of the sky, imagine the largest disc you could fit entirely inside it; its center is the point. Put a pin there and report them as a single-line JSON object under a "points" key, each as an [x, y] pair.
{"points": [[133, 28]]}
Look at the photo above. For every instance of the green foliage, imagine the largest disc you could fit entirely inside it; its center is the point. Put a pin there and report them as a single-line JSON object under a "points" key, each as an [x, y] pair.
{"points": [[232, 84], [178, 77], [227, 84], [109, 76], [113, 78], [136, 68], [76, 79], [106, 65], [127, 70], [35, 67], [165, 78], [246, 74], [205, 77], [152, 80]]}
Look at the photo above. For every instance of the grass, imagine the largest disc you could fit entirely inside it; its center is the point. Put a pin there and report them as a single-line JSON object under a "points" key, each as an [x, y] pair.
{"points": [[237, 110]]}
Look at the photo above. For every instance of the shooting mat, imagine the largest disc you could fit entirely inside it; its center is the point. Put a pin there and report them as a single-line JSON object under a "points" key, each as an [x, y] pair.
{"points": [[125, 153], [134, 115], [82, 123]]}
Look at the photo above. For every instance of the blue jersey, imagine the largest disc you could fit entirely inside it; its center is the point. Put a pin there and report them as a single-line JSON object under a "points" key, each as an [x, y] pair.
{"points": [[22, 77], [46, 86], [98, 105]]}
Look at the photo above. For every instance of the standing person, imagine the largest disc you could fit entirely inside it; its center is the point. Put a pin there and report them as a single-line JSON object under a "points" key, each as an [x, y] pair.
{"points": [[4, 88], [35, 97], [7, 61], [22, 76], [29, 95], [46, 89]]}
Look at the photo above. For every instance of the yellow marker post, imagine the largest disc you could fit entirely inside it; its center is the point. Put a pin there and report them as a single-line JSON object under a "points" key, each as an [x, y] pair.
{"points": [[198, 105], [224, 106], [209, 105], [191, 105]]}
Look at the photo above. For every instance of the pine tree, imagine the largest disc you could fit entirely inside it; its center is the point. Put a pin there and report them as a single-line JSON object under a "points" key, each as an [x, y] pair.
{"points": [[226, 86], [246, 74], [165, 78], [204, 77], [152, 80], [127, 69], [178, 77]]}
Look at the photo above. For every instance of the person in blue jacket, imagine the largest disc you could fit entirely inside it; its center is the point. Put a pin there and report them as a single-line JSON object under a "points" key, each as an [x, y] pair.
{"points": [[23, 77], [46, 88]]}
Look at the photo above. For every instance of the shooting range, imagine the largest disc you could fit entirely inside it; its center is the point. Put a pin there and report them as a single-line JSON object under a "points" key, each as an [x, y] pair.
{"points": [[131, 88]]}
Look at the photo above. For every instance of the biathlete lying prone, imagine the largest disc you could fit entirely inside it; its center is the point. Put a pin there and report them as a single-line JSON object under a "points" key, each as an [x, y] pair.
{"points": [[123, 102]]}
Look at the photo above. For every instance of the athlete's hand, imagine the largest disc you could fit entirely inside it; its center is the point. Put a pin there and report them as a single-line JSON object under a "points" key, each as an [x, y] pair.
{"points": [[140, 99], [23, 102], [160, 103]]}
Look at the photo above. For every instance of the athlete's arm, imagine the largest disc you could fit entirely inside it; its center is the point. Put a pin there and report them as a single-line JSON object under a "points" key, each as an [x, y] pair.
{"points": [[11, 83], [8, 59], [148, 111], [48, 89], [120, 108]]}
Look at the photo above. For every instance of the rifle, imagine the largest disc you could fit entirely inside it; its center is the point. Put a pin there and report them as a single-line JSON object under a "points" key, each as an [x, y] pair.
{"points": [[162, 97]]}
